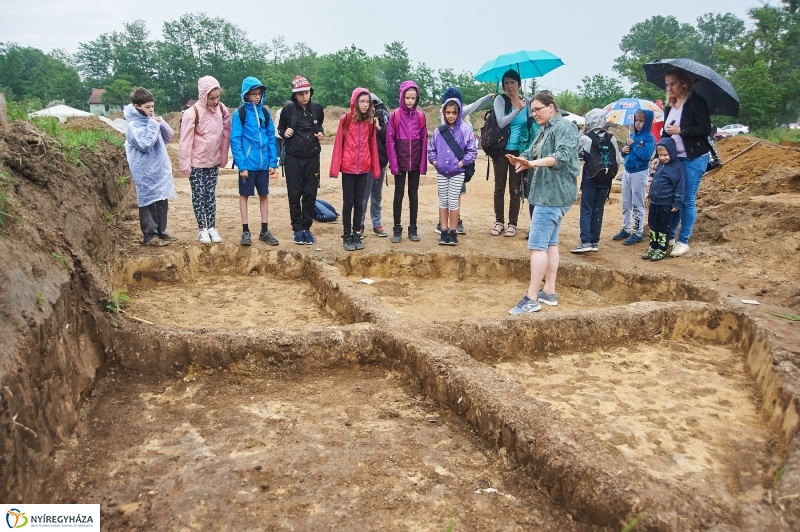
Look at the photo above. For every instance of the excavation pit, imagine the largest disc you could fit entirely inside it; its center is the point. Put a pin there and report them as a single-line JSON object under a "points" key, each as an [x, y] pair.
{"points": [[442, 287], [346, 448]]}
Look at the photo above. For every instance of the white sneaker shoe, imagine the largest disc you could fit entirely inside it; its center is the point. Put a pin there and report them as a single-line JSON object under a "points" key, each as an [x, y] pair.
{"points": [[679, 249], [204, 237], [215, 238]]}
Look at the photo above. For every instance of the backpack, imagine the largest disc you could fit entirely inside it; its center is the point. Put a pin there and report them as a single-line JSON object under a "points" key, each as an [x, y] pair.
{"points": [[264, 109], [447, 135], [493, 138], [324, 211], [602, 166], [420, 119]]}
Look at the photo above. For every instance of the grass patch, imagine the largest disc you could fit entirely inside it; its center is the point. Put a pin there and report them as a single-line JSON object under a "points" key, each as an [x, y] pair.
{"points": [[39, 299], [73, 141], [109, 218], [118, 300], [790, 317], [122, 181], [61, 260], [778, 474], [778, 134], [633, 525]]}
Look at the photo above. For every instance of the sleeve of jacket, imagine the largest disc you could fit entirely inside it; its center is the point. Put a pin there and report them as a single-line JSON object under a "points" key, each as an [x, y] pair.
{"points": [[702, 118], [373, 150], [236, 140], [225, 142], [680, 189], [470, 149], [166, 132], [423, 163], [338, 143], [143, 137], [566, 144], [273, 146], [320, 118], [394, 168], [187, 142], [432, 155], [645, 151], [282, 122]]}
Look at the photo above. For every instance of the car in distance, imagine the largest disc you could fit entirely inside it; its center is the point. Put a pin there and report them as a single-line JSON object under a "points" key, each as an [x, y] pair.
{"points": [[735, 129]]}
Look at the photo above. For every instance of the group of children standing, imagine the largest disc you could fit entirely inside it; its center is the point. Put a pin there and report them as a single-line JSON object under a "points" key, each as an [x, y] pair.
{"points": [[665, 196], [368, 139]]}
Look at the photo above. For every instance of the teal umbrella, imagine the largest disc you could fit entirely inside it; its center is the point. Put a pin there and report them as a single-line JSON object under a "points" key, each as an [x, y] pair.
{"points": [[528, 63]]}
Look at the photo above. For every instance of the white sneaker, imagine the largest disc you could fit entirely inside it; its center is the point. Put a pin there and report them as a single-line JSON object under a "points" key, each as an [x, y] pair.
{"points": [[215, 238], [679, 249], [204, 236]]}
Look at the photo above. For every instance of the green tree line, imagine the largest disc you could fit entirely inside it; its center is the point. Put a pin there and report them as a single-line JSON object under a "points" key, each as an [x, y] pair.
{"points": [[760, 59]]}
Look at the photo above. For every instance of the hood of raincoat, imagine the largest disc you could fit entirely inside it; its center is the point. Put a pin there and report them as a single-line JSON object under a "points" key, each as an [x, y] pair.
{"points": [[672, 149], [458, 119], [401, 105], [354, 98], [375, 100], [205, 85], [251, 83], [595, 120], [148, 160]]}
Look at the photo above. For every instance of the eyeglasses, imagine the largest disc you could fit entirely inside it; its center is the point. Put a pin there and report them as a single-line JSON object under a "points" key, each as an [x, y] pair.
{"points": [[537, 109]]}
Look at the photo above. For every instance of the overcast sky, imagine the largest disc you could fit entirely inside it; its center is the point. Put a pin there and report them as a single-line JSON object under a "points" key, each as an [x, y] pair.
{"points": [[459, 35]]}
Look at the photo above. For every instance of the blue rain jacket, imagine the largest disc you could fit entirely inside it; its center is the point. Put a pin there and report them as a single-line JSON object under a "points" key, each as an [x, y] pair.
{"points": [[253, 145]]}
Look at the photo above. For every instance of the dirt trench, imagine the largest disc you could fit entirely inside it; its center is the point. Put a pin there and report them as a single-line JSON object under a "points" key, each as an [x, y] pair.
{"points": [[322, 400]]}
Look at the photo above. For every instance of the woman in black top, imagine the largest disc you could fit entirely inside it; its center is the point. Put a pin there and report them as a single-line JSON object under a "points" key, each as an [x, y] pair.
{"points": [[688, 121]]}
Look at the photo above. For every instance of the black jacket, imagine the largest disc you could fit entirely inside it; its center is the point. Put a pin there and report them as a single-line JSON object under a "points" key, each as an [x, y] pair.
{"points": [[695, 126], [307, 122], [383, 119]]}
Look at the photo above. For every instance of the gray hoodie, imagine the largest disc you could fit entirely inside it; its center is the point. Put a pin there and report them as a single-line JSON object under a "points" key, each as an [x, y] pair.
{"points": [[596, 122]]}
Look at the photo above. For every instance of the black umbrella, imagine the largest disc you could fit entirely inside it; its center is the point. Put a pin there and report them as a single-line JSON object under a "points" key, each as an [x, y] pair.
{"points": [[717, 91]]}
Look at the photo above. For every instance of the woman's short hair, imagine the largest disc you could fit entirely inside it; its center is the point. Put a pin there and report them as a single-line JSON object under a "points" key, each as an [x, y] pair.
{"points": [[546, 97], [141, 96]]}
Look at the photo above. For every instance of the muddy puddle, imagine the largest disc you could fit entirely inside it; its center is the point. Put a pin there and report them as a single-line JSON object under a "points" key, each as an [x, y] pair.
{"points": [[347, 449], [685, 411]]}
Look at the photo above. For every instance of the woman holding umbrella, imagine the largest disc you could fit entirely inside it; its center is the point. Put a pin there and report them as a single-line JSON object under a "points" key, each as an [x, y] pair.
{"points": [[510, 108], [687, 120]]}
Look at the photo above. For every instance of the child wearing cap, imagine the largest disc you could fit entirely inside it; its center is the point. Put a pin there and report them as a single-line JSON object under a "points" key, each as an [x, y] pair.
{"points": [[300, 126]]}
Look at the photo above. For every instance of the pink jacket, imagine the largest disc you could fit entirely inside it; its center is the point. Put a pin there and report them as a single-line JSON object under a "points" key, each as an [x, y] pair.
{"points": [[205, 133]]}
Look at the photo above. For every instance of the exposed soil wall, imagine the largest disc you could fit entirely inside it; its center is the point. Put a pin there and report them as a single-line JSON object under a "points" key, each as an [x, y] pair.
{"points": [[54, 283]]}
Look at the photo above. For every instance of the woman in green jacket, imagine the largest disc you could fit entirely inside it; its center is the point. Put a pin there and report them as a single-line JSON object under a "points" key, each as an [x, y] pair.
{"points": [[553, 156]]}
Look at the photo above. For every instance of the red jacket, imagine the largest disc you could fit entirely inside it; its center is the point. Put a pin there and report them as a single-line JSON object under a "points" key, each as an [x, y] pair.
{"points": [[355, 149]]}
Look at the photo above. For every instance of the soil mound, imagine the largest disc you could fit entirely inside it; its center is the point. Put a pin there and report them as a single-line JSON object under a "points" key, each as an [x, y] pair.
{"points": [[174, 121], [82, 123]]}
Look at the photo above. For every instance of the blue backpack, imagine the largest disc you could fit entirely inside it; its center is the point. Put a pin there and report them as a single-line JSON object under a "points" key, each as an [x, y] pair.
{"points": [[324, 211]]}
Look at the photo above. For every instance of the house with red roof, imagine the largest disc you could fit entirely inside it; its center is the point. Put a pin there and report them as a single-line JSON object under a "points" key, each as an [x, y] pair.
{"points": [[96, 105]]}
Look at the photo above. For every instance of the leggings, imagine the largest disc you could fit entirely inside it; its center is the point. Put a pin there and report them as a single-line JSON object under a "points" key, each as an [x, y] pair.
{"points": [[352, 203], [204, 198], [449, 191], [413, 197]]}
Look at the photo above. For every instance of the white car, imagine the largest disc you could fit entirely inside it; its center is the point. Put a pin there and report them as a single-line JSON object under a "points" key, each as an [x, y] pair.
{"points": [[735, 129]]}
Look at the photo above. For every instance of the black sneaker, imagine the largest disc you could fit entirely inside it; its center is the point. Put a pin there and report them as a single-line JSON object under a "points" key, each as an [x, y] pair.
{"points": [[444, 237], [412, 233], [357, 242], [398, 234], [348, 242], [460, 228], [266, 236], [453, 238], [245, 240]]}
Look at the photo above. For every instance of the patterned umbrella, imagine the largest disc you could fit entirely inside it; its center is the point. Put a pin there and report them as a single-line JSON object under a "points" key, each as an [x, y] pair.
{"points": [[621, 112]]}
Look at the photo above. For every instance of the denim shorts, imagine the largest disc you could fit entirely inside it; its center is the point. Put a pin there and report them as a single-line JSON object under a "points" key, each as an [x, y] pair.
{"points": [[256, 180], [545, 223]]}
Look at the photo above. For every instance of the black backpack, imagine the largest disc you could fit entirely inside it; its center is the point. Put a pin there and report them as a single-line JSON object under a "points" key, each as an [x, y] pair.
{"points": [[469, 170], [602, 166], [493, 137], [264, 109]]}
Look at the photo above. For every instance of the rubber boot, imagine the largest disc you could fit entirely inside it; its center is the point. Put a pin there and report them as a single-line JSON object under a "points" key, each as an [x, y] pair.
{"points": [[412, 233], [347, 239], [398, 232]]}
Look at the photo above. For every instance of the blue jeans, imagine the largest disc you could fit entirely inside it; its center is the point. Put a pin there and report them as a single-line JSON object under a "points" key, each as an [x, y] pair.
{"points": [[545, 224], [688, 213], [593, 204], [374, 190]]}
